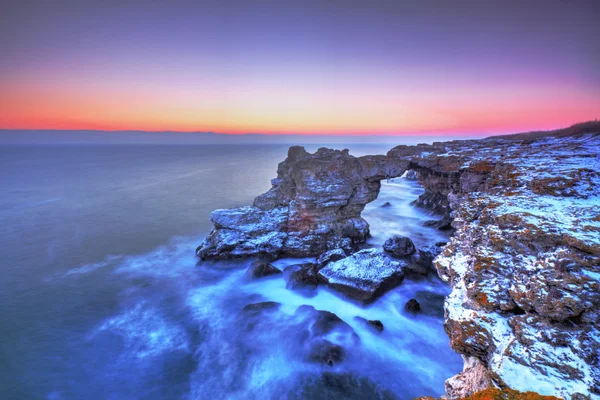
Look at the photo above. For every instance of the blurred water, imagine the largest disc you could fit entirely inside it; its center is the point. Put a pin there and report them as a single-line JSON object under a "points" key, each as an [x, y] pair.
{"points": [[101, 298]]}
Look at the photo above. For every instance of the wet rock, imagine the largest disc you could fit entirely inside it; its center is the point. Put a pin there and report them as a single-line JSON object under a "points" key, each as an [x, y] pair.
{"points": [[258, 308], [259, 269], [330, 256], [441, 224], [256, 314], [372, 323], [422, 264], [325, 335], [325, 352], [334, 385], [399, 246], [363, 275], [387, 204], [314, 206], [412, 306], [301, 276]]}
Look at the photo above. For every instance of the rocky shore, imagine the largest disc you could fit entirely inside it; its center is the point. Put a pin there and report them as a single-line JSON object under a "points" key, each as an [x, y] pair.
{"points": [[523, 262]]}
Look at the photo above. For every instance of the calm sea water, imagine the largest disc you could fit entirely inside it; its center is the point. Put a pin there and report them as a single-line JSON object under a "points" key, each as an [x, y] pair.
{"points": [[101, 298]]}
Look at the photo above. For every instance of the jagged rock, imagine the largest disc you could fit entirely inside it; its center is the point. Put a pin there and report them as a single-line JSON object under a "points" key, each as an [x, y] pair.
{"points": [[474, 378], [259, 269], [364, 275], [330, 256], [314, 206], [387, 204], [399, 246], [373, 323], [523, 261], [301, 276], [412, 306]]}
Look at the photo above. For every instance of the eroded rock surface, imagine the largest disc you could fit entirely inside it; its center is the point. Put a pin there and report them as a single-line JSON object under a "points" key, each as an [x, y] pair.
{"points": [[524, 262], [314, 206]]}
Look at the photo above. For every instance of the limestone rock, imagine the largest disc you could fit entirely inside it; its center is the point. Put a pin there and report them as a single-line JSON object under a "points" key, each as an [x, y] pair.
{"points": [[314, 206], [364, 275]]}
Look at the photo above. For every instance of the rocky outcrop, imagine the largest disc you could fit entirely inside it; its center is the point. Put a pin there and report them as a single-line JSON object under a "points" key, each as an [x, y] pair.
{"points": [[524, 262], [364, 275], [314, 206]]}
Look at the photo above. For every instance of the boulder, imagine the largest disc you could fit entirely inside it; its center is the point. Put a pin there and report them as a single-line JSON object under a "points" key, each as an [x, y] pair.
{"points": [[422, 264], [387, 204], [412, 306], [399, 246], [364, 275], [301, 276], [259, 269], [329, 256]]}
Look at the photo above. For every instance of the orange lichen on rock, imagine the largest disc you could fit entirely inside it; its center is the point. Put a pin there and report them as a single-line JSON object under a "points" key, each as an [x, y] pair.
{"points": [[507, 394], [501, 394]]}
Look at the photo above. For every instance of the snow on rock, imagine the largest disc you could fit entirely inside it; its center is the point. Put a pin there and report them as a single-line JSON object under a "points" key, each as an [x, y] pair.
{"points": [[363, 275], [524, 262]]}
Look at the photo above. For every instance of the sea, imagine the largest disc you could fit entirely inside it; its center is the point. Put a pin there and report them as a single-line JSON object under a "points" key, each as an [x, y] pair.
{"points": [[102, 297]]}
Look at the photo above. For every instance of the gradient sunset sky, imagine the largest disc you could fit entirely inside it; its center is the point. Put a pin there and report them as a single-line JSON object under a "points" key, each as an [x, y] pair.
{"points": [[322, 67]]}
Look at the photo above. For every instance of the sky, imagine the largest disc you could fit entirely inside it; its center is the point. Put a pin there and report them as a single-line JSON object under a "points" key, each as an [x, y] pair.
{"points": [[299, 67]]}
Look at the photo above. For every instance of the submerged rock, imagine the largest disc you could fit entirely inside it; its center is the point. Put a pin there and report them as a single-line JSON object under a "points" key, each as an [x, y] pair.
{"points": [[399, 246], [387, 204], [372, 323], [314, 206], [259, 269], [363, 275]]}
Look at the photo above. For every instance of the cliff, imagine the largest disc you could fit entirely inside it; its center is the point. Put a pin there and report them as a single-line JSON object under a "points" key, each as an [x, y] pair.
{"points": [[524, 262]]}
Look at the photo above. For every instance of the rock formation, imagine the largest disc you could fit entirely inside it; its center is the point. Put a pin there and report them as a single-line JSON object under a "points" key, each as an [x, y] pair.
{"points": [[313, 206], [524, 262]]}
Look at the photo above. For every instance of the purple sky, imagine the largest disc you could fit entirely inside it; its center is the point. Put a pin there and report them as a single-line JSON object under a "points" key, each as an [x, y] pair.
{"points": [[330, 67]]}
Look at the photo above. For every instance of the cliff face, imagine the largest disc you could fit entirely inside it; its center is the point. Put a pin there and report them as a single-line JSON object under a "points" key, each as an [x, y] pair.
{"points": [[314, 206], [524, 263]]}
